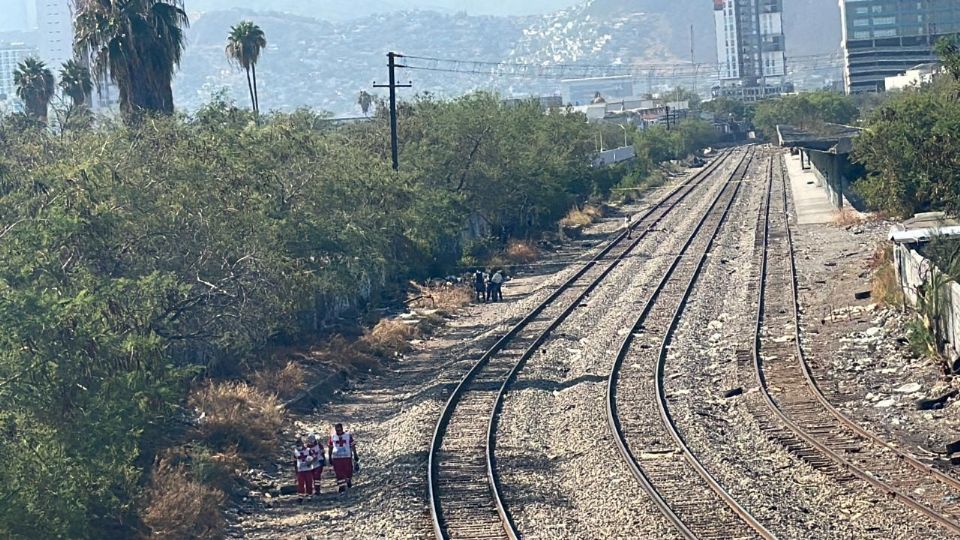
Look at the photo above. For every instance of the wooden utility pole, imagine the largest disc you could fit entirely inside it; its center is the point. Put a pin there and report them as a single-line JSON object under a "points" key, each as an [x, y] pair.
{"points": [[394, 139]]}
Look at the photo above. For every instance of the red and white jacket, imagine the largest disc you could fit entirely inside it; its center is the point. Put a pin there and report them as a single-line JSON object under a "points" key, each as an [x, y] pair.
{"points": [[342, 445], [308, 458]]}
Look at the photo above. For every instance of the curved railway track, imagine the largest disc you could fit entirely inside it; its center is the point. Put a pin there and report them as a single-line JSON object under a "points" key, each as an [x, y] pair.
{"points": [[638, 407], [463, 486], [809, 424]]}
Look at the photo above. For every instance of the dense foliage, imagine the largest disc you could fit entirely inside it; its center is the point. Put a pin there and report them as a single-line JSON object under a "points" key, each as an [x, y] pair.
{"points": [[805, 111], [135, 258], [911, 150]]}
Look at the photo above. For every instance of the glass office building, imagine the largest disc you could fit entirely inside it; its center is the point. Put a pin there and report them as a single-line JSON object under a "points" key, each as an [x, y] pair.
{"points": [[883, 38]]}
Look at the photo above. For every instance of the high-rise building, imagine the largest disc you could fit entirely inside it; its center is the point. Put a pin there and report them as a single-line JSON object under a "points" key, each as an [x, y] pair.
{"points": [[10, 56], [750, 48], [883, 38], [55, 29]]}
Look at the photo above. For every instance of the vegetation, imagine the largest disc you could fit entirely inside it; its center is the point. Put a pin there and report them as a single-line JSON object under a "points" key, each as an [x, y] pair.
{"points": [[135, 44], [805, 111], [76, 83], [142, 263], [244, 44], [35, 86], [910, 148]]}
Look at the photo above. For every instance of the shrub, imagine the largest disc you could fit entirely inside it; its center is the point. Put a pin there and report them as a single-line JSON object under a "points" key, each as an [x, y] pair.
{"points": [[390, 337], [340, 354], [847, 217], [523, 252], [446, 297], [180, 507], [235, 414], [286, 382], [576, 218]]}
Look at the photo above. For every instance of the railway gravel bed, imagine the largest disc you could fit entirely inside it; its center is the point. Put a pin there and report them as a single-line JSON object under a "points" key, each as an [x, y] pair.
{"points": [[808, 428], [393, 415], [559, 469], [793, 499]]}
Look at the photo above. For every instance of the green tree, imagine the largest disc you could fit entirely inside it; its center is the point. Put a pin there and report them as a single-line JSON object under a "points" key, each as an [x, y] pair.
{"points": [[244, 44], [35, 86], [948, 49], [805, 111], [138, 45], [76, 83], [911, 152]]}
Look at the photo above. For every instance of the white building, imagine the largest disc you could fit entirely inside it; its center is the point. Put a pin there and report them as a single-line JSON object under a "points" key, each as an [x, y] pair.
{"points": [[55, 32], [912, 78], [582, 91], [750, 46], [10, 56]]}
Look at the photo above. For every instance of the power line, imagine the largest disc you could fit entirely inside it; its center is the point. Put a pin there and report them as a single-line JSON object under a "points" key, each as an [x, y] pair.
{"points": [[653, 72]]}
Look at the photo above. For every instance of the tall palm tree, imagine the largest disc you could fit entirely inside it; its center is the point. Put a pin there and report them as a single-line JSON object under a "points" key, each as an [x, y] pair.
{"points": [[364, 100], [244, 44], [35, 86], [137, 44], [76, 83]]}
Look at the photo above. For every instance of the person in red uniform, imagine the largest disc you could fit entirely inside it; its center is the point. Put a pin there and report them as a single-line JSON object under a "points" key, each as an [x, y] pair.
{"points": [[343, 456], [308, 454]]}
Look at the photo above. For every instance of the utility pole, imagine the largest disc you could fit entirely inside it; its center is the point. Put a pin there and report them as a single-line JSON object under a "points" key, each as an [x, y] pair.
{"points": [[693, 61], [394, 138]]}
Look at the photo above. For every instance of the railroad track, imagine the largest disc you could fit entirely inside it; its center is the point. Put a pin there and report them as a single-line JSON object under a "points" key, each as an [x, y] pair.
{"points": [[807, 423], [464, 492], [638, 407]]}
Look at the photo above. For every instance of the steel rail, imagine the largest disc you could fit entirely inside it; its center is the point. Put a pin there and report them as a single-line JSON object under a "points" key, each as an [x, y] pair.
{"points": [[613, 417], [861, 473], [433, 487]]}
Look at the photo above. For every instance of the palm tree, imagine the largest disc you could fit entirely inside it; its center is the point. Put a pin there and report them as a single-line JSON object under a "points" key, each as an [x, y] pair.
{"points": [[244, 44], [35, 86], [76, 83], [364, 100], [137, 44]]}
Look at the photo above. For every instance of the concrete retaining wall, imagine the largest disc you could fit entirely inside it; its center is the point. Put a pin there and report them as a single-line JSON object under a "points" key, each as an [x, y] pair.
{"points": [[913, 270]]}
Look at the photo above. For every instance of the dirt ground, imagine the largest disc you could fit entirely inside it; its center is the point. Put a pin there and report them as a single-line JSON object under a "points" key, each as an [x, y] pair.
{"points": [[859, 349]]}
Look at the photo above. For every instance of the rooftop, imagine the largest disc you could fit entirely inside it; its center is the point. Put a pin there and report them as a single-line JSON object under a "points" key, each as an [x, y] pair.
{"points": [[822, 137]]}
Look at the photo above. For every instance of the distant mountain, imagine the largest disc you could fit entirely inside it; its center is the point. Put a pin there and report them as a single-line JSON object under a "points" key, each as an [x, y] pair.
{"points": [[340, 10], [319, 62]]}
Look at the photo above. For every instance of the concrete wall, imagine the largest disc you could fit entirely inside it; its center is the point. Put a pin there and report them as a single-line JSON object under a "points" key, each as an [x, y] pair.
{"points": [[836, 174], [912, 270]]}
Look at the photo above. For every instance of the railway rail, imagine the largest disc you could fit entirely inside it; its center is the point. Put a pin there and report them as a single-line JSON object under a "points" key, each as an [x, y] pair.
{"points": [[638, 407], [463, 485], [807, 423]]}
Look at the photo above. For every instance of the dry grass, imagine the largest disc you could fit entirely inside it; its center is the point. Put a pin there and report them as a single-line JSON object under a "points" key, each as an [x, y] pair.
{"points": [[235, 414], [595, 212], [343, 355], [285, 381], [521, 252], [179, 507], [390, 337], [847, 217], [884, 285], [576, 218], [444, 297]]}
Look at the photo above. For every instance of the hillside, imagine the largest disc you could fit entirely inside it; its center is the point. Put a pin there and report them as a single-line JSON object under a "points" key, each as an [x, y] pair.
{"points": [[322, 63]]}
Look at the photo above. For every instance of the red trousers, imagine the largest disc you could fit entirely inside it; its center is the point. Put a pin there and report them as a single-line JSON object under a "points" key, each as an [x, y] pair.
{"points": [[305, 482], [343, 467]]}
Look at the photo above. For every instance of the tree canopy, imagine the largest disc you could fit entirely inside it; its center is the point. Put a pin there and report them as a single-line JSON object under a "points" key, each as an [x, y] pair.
{"points": [[805, 111]]}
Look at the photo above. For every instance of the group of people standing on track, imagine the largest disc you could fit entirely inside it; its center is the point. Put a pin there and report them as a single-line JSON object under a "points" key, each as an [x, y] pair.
{"points": [[311, 457], [489, 285]]}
